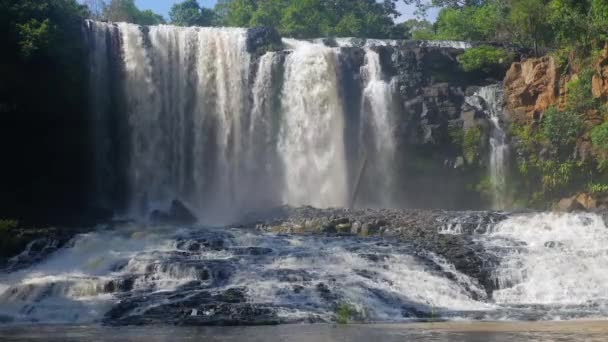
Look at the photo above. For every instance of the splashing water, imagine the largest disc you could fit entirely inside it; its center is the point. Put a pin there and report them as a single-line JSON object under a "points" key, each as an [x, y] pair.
{"points": [[301, 278], [378, 131], [311, 136]]}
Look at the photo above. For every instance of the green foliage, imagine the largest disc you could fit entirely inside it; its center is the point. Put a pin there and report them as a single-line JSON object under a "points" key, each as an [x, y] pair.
{"points": [[528, 18], [561, 128], [570, 22], [545, 169], [599, 19], [580, 96], [599, 136], [6, 225], [127, 11], [484, 58], [189, 13], [34, 35], [420, 29], [345, 313], [597, 189], [468, 23], [472, 144], [315, 18]]}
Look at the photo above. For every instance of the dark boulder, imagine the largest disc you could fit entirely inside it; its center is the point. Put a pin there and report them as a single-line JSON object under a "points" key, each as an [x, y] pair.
{"points": [[178, 214]]}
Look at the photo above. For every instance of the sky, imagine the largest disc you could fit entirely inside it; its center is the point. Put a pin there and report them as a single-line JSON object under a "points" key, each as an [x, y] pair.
{"points": [[162, 7]]}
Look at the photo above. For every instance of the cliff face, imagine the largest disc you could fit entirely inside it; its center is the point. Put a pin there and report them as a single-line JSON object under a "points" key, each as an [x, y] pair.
{"points": [[600, 78], [579, 90], [531, 86], [434, 105]]}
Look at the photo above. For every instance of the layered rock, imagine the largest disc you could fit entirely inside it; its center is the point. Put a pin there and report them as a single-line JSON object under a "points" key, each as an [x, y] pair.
{"points": [[531, 86]]}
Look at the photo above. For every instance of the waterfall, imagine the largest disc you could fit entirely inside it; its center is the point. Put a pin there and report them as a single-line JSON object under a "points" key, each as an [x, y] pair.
{"points": [[189, 113], [200, 126], [490, 100], [311, 142], [378, 137], [186, 112]]}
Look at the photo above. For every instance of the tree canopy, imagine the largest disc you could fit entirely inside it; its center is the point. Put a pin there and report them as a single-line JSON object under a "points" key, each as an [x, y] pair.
{"points": [[315, 18], [127, 11], [190, 13]]}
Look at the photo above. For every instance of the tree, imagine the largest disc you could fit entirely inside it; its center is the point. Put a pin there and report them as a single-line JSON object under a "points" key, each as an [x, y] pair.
{"points": [[313, 18], [528, 18], [190, 13], [126, 11], [420, 29], [476, 23]]}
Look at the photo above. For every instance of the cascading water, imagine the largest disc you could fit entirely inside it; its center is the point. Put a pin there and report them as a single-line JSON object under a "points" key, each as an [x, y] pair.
{"points": [[311, 143], [198, 127], [185, 109], [543, 266], [378, 132], [490, 100]]}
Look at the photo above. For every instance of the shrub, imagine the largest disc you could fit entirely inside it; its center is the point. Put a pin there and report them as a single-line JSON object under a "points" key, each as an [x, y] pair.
{"points": [[484, 58], [561, 129], [580, 95], [471, 144], [6, 225], [345, 312], [597, 188], [599, 136]]}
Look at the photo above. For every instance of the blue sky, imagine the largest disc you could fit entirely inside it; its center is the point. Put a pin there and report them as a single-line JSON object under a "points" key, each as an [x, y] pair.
{"points": [[163, 6]]}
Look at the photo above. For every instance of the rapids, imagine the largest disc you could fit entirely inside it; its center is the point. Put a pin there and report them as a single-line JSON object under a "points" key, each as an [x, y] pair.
{"points": [[541, 266]]}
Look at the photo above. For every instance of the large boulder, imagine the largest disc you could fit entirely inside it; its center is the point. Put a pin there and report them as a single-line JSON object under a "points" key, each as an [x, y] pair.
{"points": [[568, 205], [587, 201]]}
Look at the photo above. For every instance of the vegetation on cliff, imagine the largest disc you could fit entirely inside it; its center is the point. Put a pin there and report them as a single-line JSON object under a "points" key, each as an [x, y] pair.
{"points": [[42, 105]]}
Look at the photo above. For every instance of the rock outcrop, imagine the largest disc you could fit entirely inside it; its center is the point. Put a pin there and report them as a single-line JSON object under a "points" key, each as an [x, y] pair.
{"points": [[600, 79], [531, 86], [421, 228]]}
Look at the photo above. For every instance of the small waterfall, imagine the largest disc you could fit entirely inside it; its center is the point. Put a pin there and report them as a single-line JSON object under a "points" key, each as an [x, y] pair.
{"points": [[559, 260], [378, 137], [490, 100], [311, 143]]}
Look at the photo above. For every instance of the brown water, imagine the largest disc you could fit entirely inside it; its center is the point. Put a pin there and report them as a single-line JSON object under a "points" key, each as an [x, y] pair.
{"points": [[452, 331]]}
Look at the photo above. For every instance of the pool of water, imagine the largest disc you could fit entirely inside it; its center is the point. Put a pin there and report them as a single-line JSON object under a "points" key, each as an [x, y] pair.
{"points": [[448, 331]]}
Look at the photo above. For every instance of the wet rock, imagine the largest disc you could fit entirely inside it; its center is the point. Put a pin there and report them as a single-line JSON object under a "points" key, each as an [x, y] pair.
{"points": [[289, 275], [255, 251], [325, 293], [553, 244], [587, 201], [420, 228], [569, 205], [178, 214]]}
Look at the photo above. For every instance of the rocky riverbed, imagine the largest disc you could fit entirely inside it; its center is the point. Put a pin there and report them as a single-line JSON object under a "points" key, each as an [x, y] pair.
{"points": [[290, 265]]}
